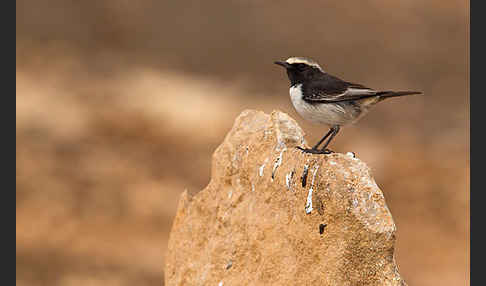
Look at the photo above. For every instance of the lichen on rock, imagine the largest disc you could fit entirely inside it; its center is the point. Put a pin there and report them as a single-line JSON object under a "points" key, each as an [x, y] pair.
{"points": [[291, 218]]}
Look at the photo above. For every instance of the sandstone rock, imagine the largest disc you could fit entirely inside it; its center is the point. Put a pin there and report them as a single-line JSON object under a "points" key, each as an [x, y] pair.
{"points": [[272, 215]]}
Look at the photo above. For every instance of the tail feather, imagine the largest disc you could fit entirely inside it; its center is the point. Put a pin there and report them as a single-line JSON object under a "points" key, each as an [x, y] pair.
{"points": [[387, 94]]}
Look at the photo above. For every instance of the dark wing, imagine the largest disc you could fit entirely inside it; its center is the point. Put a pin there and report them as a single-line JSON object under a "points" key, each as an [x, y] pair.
{"points": [[330, 89]]}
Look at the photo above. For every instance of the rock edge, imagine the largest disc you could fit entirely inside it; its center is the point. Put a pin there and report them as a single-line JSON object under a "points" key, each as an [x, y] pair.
{"points": [[272, 215]]}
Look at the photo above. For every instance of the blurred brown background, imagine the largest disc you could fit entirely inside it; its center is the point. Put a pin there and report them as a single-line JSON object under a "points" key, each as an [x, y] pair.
{"points": [[120, 105]]}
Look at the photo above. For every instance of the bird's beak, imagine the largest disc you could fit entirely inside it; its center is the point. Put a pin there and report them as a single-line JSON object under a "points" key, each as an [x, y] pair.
{"points": [[284, 64]]}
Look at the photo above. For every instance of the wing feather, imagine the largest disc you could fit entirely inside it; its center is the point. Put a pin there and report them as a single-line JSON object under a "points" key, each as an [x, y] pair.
{"points": [[332, 89]]}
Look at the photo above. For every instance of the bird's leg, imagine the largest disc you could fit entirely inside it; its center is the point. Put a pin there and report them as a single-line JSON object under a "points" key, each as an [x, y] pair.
{"points": [[314, 149], [323, 138], [335, 130]]}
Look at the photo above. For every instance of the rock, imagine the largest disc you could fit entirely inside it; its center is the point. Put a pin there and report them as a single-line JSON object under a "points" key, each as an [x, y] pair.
{"points": [[272, 215]]}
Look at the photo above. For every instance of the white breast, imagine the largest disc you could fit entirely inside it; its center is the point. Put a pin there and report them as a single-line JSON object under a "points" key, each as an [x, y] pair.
{"points": [[296, 97], [321, 113]]}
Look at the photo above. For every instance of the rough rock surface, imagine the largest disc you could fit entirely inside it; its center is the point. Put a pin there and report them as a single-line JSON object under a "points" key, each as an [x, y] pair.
{"points": [[272, 215]]}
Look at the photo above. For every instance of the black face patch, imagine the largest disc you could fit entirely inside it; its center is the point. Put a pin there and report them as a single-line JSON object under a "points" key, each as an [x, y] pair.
{"points": [[300, 66], [300, 73]]}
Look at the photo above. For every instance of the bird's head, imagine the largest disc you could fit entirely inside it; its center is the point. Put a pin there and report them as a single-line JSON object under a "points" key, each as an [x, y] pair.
{"points": [[301, 69]]}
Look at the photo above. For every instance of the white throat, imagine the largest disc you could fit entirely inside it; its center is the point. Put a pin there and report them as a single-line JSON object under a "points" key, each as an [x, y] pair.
{"points": [[296, 93], [296, 98]]}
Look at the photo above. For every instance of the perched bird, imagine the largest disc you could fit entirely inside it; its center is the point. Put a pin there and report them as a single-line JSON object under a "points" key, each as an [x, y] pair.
{"points": [[325, 99]]}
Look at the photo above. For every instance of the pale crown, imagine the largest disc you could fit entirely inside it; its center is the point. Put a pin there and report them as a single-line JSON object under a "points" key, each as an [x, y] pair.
{"points": [[302, 60]]}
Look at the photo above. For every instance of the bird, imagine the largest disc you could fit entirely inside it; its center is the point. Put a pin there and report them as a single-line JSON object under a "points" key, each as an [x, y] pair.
{"points": [[325, 99]]}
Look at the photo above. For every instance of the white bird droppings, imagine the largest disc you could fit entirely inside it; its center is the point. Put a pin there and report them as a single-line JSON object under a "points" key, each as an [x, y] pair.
{"points": [[262, 167], [306, 168], [288, 179], [351, 154], [260, 172], [308, 205], [277, 164]]}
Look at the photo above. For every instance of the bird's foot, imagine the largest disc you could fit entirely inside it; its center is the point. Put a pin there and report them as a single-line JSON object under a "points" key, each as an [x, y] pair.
{"points": [[315, 151]]}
